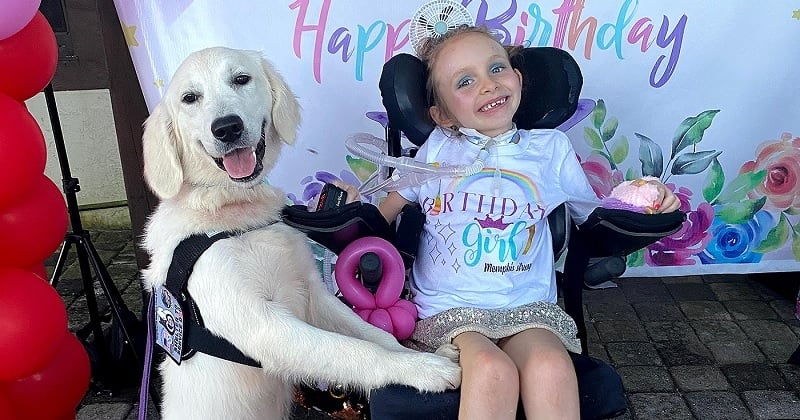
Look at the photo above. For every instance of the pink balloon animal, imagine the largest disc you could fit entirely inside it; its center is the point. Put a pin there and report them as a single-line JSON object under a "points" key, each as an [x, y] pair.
{"points": [[384, 309]]}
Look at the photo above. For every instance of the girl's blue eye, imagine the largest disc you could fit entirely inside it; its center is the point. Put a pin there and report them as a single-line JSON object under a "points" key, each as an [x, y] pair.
{"points": [[497, 68], [463, 82]]}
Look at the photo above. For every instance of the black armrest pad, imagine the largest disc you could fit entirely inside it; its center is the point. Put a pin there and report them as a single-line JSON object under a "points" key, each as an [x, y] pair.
{"points": [[409, 228], [614, 232], [560, 224], [338, 227]]}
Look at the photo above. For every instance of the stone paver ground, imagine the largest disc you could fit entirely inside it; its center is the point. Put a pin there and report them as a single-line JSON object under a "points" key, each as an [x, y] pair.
{"points": [[703, 347]]}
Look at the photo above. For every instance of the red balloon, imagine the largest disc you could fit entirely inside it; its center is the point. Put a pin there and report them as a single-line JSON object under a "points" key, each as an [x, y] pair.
{"points": [[34, 227], [29, 59], [22, 149], [61, 384], [40, 271], [6, 412], [33, 322]]}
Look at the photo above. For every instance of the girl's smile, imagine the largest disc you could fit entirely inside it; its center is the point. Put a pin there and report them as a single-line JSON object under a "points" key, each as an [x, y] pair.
{"points": [[494, 104]]}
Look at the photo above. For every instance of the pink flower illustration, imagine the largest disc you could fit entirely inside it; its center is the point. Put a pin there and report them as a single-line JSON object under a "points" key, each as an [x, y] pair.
{"points": [[600, 174], [692, 238], [781, 160]]}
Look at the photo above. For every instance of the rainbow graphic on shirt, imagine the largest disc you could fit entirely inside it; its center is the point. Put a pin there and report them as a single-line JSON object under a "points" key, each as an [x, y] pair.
{"points": [[525, 184]]}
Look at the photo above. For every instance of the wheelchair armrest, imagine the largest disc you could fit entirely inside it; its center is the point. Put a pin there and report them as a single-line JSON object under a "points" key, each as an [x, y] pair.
{"points": [[615, 232], [409, 228], [338, 227], [560, 225]]}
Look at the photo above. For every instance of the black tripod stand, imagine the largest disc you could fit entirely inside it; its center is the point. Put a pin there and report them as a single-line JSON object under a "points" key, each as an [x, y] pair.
{"points": [[89, 262]]}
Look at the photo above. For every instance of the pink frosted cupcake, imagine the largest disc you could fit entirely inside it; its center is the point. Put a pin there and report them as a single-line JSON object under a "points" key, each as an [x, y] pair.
{"points": [[638, 195]]}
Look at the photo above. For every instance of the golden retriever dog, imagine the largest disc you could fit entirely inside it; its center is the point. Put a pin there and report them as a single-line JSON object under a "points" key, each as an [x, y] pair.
{"points": [[207, 146]]}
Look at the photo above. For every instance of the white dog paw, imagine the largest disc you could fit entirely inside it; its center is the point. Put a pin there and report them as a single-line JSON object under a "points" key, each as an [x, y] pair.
{"points": [[434, 373], [449, 351]]}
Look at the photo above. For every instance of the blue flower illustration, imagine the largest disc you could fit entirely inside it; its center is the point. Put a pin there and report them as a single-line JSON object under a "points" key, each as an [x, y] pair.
{"points": [[735, 243]]}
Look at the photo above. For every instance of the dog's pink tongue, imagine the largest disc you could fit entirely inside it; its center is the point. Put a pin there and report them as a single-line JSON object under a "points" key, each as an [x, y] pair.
{"points": [[240, 163]]}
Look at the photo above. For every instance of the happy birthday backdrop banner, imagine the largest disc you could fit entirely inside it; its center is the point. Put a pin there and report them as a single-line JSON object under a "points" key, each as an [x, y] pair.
{"points": [[703, 95]]}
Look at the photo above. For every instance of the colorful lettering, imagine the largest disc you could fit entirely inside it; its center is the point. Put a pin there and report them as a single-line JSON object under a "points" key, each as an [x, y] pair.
{"points": [[571, 26], [480, 241]]}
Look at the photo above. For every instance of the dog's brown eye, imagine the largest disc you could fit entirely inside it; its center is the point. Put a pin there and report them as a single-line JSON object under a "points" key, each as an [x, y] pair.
{"points": [[241, 79], [189, 98]]}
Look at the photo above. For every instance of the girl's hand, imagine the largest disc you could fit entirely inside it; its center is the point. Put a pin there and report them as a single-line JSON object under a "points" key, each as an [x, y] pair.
{"points": [[390, 207], [667, 201], [351, 190]]}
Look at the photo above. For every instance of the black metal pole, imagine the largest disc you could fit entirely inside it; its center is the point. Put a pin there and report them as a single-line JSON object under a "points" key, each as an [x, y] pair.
{"points": [[70, 185], [88, 259]]}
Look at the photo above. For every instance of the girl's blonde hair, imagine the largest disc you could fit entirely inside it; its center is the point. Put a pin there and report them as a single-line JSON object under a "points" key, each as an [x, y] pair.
{"points": [[429, 51]]}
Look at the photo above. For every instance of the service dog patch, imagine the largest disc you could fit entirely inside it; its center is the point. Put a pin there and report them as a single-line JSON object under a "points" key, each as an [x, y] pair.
{"points": [[169, 324]]}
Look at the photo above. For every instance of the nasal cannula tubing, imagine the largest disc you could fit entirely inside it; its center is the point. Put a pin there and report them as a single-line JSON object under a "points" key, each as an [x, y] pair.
{"points": [[412, 171]]}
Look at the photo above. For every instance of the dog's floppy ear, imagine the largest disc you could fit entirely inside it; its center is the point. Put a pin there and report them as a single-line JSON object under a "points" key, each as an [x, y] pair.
{"points": [[285, 108], [162, 166]]}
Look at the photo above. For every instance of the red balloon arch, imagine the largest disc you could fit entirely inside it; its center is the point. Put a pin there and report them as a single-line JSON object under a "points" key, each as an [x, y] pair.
{"points": [[44, 369]]}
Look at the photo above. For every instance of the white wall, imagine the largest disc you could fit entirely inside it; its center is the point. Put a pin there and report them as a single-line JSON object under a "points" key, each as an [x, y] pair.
{"points": [[91, 143]]}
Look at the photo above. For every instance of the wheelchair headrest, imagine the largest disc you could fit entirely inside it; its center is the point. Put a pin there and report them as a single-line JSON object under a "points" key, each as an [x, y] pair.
{"points": [[551, 84]]}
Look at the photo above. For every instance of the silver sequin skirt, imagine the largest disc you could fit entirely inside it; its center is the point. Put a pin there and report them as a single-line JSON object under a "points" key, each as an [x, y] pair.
{"points": [[495, 324]]}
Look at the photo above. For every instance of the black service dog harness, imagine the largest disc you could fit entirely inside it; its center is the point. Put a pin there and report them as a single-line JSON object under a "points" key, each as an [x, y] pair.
{"points": [[333, 229], [196, 337]]}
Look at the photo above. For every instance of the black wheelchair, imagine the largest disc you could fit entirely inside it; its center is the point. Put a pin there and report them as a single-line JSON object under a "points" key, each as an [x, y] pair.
{"points": [[595, 250]]}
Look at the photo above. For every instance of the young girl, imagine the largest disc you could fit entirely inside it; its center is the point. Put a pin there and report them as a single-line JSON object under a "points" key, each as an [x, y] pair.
{"points": [[484, 277]]}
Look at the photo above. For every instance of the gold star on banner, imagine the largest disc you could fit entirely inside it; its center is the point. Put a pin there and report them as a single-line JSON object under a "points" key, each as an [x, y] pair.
{"points": [[796, 14], [159, 83], [130, 35]]}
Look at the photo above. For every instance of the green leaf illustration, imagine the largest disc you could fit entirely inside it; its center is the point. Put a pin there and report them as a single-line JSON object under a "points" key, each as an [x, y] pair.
{"points": [[651, 157], [592, 138], [620, 150], [609, 128], [631, 174], [599, 114], [606, 156], [740, 186], [636, 259], [796, 242], [693, 163], [714, 182], [691, 130], [741, 212], [361, 168], [776, 237]]}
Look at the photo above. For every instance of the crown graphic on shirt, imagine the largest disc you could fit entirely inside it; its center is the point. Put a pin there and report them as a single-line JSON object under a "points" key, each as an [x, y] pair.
{"points": [[488, 222]]}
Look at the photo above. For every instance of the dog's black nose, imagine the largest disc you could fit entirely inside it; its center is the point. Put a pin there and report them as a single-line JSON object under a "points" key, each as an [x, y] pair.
{"points": [[228, 128]]}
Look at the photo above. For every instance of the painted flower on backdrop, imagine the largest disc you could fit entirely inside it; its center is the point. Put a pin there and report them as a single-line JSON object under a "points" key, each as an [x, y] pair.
{"points": [[737, 242], [679, 248], [602, 178], [766, 186], [732, 224], [781, 160]]}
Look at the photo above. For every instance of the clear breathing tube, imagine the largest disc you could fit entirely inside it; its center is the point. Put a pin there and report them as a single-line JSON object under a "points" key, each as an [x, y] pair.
{"points": [[411, 172]]}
